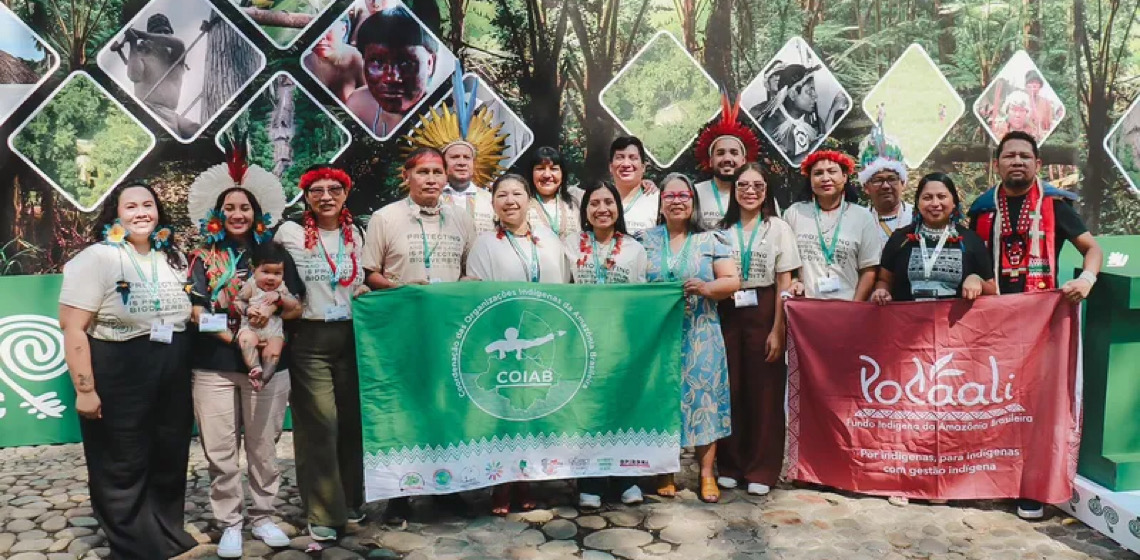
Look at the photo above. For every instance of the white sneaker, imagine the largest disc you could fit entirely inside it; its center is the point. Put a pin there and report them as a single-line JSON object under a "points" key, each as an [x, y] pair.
{"points": [[726, 482], [230, 544], [757, 489], [1030, 510], [589, 501], [632, 495], [271, 534], [899, 501]]}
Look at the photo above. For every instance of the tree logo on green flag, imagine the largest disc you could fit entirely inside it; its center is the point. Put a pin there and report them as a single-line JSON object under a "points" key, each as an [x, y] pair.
{"points": [[522, 355]]}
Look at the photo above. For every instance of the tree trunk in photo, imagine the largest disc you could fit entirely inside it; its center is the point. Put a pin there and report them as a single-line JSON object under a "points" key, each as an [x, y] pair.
{"points": [[282, 127], [273, 18], [230, 62], [718, 45], [456, 10], [1032, 36]]}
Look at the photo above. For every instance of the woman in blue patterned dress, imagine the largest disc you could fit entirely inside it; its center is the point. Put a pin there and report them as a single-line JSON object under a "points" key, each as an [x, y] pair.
{"points": [[679, 250]]}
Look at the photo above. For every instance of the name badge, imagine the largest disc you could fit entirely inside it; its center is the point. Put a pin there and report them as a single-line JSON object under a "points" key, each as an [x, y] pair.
{"points": [[746, 298], [213, 322], [828, 285], [336, 313], [161, 332], [435, 281]]}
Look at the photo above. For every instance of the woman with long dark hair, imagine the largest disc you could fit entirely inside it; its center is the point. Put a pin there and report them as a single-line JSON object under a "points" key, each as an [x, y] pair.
{"points": [[553, 203], [936, 257], [327, 440], [123, 310], [764, 250], [235, 205]]}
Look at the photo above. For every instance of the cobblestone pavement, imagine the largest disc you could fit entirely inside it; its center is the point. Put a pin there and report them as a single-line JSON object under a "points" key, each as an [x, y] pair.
{"points": [[45, 515]]}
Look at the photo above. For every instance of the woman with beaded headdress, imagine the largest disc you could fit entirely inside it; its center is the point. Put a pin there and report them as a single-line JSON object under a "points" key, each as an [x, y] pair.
{"points": [[123, 312], [838, 241], [235, 205], [327, 440], [472, 149]]}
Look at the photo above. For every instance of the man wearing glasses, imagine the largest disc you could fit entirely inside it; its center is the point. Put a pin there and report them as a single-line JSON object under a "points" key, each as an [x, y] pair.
{"points": [[883, 176]]}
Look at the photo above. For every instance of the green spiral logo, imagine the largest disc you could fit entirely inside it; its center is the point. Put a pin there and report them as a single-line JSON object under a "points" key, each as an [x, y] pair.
{"points": [[31, 349]]}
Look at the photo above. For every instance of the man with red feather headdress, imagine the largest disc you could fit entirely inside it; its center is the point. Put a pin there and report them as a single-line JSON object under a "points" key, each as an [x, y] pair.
{"points": [[723, 148]]}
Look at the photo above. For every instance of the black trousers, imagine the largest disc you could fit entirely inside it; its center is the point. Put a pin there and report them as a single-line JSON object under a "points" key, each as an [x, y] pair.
{"points": [[137, 453]]}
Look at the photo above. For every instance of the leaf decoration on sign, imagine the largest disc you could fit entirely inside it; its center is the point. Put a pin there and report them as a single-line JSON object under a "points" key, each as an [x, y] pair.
{"points": [[937, 371]]}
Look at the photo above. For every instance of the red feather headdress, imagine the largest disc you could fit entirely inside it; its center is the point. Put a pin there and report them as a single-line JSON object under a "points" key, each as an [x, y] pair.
{"points": [[237, 159], [729, 125], [841, 158]]}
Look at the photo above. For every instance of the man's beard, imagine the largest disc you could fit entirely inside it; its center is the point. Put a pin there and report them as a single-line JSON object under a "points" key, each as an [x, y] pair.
{"points": [[724, 177], [1018, 184]]}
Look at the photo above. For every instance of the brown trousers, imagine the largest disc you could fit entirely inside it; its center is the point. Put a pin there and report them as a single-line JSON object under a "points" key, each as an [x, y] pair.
{"points": [[755, 450]]}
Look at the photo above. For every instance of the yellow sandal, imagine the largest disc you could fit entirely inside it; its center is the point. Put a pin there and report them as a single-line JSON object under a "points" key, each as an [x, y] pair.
{"points": [[666, 486], [710, 493]]}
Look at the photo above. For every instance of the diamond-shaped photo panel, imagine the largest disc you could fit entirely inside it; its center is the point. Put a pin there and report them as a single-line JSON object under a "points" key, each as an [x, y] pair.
{"points": [[796, 101], [664, 97], [1019, 98], [82, 141], [183, 62], [288, 131], [915, 104], [380, 62], [1123, 145], [26, 62], [282, 21]]}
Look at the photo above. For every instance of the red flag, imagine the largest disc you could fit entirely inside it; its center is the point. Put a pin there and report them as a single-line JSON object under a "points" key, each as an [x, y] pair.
{"points": [[943, 400]]}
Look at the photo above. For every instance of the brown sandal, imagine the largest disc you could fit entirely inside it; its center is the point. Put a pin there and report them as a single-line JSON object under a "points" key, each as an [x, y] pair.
{"points": [[710, 493], [666, 486]]}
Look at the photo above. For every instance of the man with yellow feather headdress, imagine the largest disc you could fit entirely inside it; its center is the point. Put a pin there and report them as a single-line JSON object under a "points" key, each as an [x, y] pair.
{"points": [[472, 150]]}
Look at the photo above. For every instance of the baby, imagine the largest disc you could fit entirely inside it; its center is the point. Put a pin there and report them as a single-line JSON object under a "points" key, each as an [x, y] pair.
{"points": [[261, 347]]}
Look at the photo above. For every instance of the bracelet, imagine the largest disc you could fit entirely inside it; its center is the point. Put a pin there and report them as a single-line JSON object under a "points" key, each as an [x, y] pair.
{"points": [[1088, 277], [785, 295]]}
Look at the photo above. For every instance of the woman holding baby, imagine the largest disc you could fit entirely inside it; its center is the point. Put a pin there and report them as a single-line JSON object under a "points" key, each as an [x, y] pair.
{"points": [[242, 287]]}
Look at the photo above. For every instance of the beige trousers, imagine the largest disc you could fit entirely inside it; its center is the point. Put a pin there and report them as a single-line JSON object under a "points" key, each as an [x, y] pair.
{"points": [[225, 406]]}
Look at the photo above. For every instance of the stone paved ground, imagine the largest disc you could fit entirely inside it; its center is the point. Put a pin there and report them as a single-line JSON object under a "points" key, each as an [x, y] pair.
{"points": [[45, 515]]}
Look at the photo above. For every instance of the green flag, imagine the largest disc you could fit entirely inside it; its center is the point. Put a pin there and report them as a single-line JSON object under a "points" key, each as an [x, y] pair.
{"points": [[36, 396], [472, 384]]}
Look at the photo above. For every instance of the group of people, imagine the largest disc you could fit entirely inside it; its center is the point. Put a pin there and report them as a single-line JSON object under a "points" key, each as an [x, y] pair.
{"points": [[156, 338]]}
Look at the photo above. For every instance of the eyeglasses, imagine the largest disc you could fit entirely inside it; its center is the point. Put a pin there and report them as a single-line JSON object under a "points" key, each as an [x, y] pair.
{"points": [[677, 197], [757, 186], [876, 183], [320, 192]]}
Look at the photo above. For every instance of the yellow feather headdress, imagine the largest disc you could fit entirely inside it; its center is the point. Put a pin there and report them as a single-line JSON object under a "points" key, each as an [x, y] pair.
{"points": [[444, 128]]}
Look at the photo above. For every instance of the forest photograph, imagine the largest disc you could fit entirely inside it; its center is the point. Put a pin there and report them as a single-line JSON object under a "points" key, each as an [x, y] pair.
{"points": [[25, 61], [288, 131], [664, 97], [915, 104], [282, 21], [82, 141]]}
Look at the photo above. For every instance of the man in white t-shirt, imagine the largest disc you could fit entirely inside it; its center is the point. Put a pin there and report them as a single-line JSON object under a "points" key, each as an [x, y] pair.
{"points": [[883, 176], [638, 197], [838, 241], [722, 149]]}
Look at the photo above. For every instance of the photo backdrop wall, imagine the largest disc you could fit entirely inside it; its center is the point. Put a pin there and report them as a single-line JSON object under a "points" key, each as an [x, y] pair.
{"points": [[85, 86]]}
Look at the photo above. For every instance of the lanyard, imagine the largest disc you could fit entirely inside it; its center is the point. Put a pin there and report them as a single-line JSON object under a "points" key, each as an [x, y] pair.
{"points": [[928, 263], [152, 283], [429, 251], [829, 248], [746, 250], [556, 219], [716, 194], [600, 271], [669, 263], [532, 268], [333, 266], [627, 207]]}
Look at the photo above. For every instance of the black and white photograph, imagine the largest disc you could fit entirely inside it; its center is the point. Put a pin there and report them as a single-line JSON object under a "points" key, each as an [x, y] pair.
{"points": [[796, 101], [183, 62], [26, 61], [380, 62], [1019, 98]]}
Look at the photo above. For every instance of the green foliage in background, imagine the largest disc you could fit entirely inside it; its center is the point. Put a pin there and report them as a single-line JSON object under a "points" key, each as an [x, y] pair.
{"points": [[663, 99], [80, 114]]}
